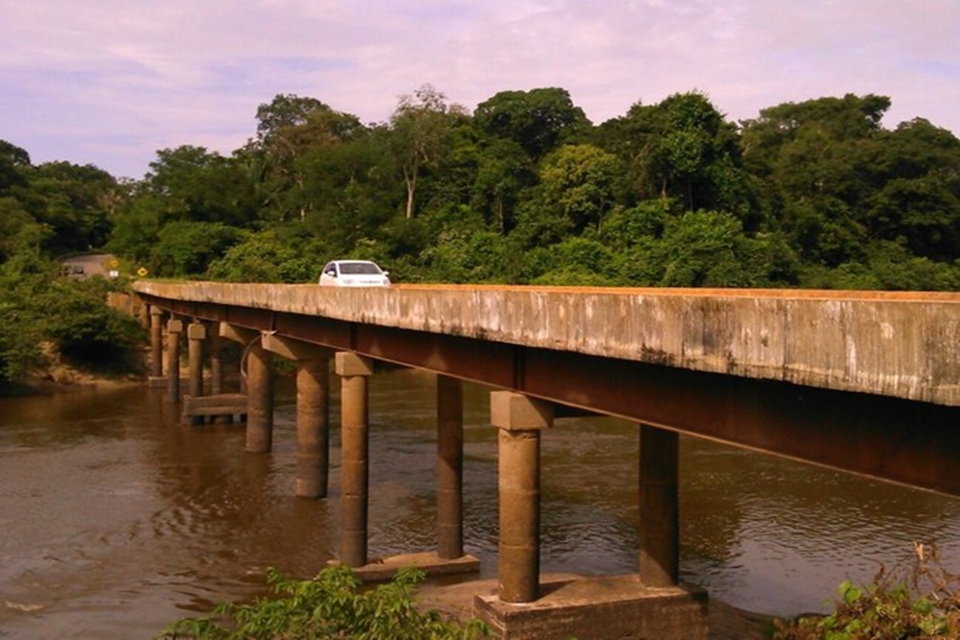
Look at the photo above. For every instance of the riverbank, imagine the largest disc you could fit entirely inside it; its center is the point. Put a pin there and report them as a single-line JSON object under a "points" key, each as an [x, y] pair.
{"points": [[60, 377]]}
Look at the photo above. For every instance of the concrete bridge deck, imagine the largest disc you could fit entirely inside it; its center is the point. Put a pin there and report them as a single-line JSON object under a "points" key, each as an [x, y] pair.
{"points": [[905, 345]]}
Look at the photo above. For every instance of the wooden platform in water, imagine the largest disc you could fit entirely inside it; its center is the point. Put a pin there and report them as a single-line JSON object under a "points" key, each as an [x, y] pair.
{"points": [[221, 404]]}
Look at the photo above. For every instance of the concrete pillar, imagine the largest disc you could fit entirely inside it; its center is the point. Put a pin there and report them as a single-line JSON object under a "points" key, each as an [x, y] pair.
{"points": [[449, 468], [156, 342], [216, 368], [659, 507], [520, 420], [216, 361], [196, 334], [248, 338], [313, 427], [174, 329], [353, 371], [259, 434], [313, 411]]}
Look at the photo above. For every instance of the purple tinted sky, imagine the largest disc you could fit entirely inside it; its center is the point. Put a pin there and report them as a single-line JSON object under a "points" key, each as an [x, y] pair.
{"points": [[110, 82]]}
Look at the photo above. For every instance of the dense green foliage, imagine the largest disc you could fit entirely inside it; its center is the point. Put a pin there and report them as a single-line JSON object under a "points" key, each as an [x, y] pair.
{"points": [[332, 605], [920, 602], [815, 194], [45, 317], [47, 211], [527, 190]]}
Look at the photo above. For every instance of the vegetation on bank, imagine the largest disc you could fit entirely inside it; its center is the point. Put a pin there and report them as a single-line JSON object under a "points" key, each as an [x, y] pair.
{"points": [[48, 322], [918, 602], [332, 605]]}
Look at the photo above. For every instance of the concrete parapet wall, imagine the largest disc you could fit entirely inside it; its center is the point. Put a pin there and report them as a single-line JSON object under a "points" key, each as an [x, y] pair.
{"points": [[905, 345]]}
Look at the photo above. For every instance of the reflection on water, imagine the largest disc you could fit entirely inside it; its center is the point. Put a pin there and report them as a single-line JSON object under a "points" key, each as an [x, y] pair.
{"points": [[116, 519]]}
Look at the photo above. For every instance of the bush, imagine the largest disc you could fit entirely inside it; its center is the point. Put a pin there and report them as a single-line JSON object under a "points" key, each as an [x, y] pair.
{"points": [[19, 341], [918, 603], [265, 257], [328, 606], [85, 330]]}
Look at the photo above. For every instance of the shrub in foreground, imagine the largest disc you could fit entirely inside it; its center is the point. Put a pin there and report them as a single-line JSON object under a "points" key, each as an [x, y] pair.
{"points": [[920, 602], [332, 605]]}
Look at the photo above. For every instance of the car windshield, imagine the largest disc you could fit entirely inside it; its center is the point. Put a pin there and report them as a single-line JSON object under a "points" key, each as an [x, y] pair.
{"points": [[359, 268]]}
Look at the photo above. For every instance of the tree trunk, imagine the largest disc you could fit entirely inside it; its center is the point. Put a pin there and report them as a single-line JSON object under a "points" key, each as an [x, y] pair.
{"points": [[410, 178]]}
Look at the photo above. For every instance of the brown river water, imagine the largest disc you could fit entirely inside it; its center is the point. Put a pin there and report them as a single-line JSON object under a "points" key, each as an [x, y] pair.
{"points": [[115, 519]]}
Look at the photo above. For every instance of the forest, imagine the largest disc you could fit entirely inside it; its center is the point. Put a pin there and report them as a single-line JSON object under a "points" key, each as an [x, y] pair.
{"points": [[525, 189]]}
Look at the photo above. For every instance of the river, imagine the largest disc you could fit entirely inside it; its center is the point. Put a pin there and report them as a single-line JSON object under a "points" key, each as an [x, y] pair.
{"points": [[115, 519]]}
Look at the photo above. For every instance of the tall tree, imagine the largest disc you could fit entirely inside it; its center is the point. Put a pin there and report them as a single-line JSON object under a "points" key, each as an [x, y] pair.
{"points": [[288, 129], [538, 120], [13, 160], [578, 182], [503, 171], [682, 148], [201, 186], [72, 202], [421, 127], [844, 182], [283, 112]]}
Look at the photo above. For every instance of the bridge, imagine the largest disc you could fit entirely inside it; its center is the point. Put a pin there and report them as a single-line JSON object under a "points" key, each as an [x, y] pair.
{"points": [[864, 382]]}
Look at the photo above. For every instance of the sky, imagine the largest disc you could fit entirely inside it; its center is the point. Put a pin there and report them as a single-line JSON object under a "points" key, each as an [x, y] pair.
{"points": [[111, 82]]}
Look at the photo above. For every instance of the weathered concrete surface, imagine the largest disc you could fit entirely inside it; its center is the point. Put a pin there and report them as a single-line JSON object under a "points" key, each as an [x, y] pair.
{"points": [[602, 608], [905, 345], [383, 569], [221, 404], [724, 622]]}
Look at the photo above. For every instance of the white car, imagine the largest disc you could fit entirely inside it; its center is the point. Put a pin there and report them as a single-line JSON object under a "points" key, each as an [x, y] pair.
{"points": [[353, 273]]}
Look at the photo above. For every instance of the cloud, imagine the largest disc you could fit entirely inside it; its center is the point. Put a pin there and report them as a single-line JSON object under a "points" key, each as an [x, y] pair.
{"points": [[110, 82]]}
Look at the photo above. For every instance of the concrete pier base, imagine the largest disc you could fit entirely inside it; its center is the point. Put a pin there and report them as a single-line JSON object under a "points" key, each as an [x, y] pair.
{"points": [[599, 608], [383, 569]]}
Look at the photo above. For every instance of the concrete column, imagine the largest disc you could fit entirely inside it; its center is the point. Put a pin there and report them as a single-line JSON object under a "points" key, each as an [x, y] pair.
{"points": [[449, 468], [156, 342], [174, 329], [353, 371], [246, 337], [196, 334], [659, 507], [216, 361], [259, 434], [313, 410], [520, 420], [313, 427]]}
